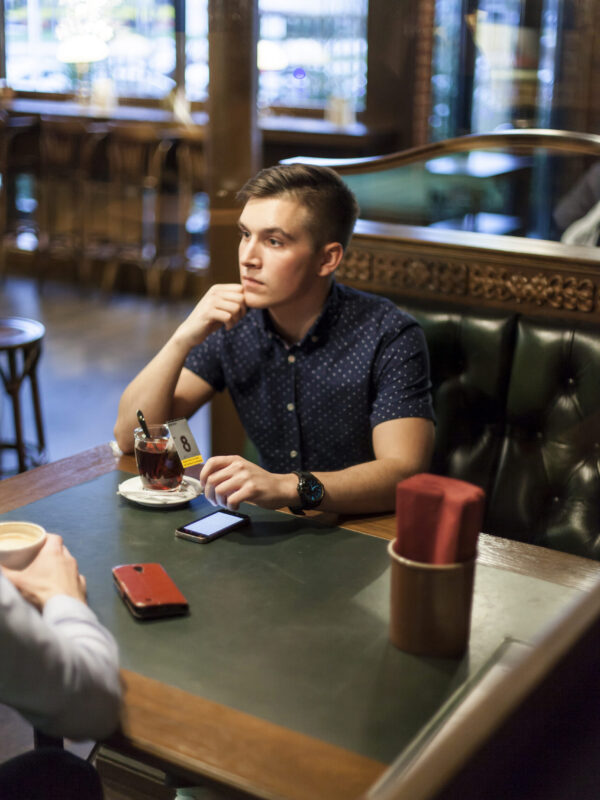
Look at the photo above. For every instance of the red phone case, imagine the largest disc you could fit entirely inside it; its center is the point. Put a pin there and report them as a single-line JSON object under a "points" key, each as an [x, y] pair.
{"points": [[148, 591]]}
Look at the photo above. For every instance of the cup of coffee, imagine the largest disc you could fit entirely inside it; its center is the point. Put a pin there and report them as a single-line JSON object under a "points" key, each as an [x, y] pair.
{"points": [[20, 543], [159, 465]]}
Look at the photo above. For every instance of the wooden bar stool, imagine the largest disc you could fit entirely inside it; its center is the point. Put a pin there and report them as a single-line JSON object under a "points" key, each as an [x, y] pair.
{"points": [[61, 207], [185, 253], [20, 349], [136, 155], [19, 157], [67, 149]]}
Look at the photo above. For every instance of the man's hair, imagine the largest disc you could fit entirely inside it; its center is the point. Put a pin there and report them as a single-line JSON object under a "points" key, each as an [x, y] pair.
{"points": [[331, 206]]}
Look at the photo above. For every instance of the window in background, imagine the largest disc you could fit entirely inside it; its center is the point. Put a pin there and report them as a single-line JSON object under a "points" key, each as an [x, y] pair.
{"points": [[513, 63], [506, 64], [484, 66], [196, 50], [31, 44], [313, 54], [128, 48], [309, 54], [141, 60], [446, 91]]}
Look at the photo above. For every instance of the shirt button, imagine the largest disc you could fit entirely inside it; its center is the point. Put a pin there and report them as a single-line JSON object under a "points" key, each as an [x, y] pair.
{"points": [[291, 359], [314, 338], [290, 406], [293, 453]]}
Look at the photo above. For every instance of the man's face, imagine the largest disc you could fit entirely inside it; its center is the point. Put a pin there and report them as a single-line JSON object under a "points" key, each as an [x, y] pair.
{"points": [[277, 258]]}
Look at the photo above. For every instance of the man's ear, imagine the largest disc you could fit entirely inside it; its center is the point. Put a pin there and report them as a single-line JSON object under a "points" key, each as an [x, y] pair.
{"points": [[331, 255]]}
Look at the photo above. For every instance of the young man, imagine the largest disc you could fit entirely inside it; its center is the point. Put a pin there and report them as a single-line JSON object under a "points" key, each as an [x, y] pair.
{"points": [[59, 668], [331, 384]]}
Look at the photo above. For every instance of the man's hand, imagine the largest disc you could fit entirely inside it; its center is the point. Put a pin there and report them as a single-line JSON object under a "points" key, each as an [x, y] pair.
{"points": [[223, 304], [230, 480], [53, 571]]}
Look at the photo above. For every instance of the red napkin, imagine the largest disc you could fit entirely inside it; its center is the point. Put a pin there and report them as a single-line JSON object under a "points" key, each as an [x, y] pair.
{"points": [[438, 519]]}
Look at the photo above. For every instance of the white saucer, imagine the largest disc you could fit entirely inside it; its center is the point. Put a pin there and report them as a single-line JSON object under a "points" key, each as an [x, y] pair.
{"points": [[133, 490]]}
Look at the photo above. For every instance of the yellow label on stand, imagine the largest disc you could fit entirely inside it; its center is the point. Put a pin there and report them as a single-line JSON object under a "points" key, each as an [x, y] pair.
{"points": [[184, 441]]}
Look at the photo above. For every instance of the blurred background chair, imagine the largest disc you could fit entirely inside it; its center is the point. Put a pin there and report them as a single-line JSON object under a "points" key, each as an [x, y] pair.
{"points": [[20, 350], [184, 211], [67, 149], [19, 162], [93, 200], [136, 155]]}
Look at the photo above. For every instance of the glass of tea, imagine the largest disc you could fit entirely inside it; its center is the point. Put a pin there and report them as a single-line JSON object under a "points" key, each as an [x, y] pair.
{"points": [[159, 465]]}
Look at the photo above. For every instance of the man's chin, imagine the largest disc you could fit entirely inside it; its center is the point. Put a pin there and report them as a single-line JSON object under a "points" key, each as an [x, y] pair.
{"points": [[253, 300]]}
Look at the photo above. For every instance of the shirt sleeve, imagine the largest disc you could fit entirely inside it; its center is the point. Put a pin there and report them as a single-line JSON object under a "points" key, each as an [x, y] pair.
{"points": [[579, 199], [401, 371], [205, 361], [59, 669]]}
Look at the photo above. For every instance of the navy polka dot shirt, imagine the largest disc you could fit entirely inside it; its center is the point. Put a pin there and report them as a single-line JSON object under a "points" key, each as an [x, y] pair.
{"points": [[312, 405]]}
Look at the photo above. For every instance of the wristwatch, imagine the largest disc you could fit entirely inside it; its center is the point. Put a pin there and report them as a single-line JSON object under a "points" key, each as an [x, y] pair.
{"points": [[310, 492]]}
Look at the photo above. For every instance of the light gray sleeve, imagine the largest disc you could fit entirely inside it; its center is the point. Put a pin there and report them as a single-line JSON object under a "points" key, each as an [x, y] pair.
{"points": [[59, 669], [579, 199]]}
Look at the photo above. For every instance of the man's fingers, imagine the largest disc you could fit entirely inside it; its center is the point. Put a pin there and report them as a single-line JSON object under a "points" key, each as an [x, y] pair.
{"points": [[212, 466]]}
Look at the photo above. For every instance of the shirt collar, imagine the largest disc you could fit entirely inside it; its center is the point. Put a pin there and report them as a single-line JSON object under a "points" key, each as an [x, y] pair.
{"points": [[318, 330]]}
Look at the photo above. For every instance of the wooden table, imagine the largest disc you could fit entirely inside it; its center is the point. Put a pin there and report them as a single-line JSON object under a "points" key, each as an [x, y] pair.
{"points": [[165, 724]]}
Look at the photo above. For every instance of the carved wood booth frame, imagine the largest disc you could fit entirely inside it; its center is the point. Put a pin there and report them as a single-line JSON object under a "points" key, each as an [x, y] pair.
{"points": [[510, 272], [548, 279]]}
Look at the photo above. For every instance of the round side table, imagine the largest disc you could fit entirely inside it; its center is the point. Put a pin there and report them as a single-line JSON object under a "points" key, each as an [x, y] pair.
{"points": [[20, 349]]}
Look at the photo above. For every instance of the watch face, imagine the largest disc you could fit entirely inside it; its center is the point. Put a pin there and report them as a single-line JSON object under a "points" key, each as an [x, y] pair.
{"points": [[314, 489], [310, 490]]}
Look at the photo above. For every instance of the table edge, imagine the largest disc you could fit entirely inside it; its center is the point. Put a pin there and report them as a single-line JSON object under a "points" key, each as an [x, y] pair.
{"points": [[557, 567]]}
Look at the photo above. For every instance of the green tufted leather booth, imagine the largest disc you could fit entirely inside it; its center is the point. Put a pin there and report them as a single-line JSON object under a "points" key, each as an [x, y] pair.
{"points": [[512, 317], [518, 405]]}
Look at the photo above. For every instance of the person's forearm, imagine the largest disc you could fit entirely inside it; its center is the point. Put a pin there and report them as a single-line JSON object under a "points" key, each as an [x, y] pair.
{"points": [[152, 391], [367, 488], [89, 705], [79, 695]]}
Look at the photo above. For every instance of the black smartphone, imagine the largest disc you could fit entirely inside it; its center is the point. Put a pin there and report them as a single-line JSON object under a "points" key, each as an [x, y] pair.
{"points": [[211, 526]]}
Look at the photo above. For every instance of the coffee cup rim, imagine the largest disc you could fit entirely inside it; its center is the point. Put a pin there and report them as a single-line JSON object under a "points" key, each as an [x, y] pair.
{"points": [[21, 526]]}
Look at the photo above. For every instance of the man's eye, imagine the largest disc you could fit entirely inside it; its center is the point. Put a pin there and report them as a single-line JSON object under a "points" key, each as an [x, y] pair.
{"points": [[244, 234], [274, 242]]}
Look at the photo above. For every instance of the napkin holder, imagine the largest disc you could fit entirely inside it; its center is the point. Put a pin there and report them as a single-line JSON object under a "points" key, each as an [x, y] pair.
{"points": [[430, 606]]}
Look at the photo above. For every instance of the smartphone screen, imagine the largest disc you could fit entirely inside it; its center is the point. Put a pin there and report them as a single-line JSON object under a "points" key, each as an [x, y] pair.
{"points": [[211, 526]]}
